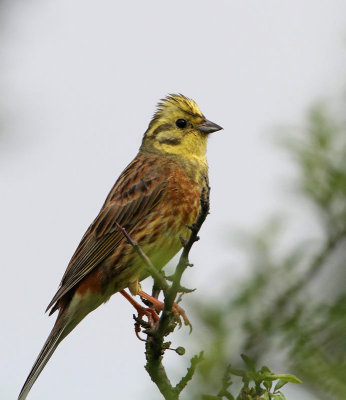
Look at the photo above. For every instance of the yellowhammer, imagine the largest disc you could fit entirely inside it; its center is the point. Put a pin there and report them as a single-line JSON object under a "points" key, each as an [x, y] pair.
{"points": [[155, 198]]}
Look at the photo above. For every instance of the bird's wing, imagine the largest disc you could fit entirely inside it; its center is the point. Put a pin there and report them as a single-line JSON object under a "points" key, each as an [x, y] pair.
{"points": [[132, 198]]}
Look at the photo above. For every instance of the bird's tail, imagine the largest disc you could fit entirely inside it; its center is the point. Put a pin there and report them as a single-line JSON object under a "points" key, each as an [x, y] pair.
{"points": [[55, 337]]}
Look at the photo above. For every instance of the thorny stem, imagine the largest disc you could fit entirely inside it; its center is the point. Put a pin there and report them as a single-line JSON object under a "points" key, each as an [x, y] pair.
{"points": [[190, 372], [155, 345]]}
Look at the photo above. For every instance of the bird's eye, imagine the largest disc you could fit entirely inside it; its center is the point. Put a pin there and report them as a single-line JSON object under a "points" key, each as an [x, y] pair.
{"points": [[181, 123]]}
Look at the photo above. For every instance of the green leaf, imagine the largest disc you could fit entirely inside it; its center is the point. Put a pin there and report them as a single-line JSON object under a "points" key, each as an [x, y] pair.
{"points": [[248, 362], [267, 384], [237, 372], [279, 385], [265, 369], [285, 377]]}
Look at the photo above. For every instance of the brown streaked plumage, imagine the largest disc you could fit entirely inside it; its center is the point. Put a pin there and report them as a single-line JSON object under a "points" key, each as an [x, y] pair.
{"points": [[154, 199]]}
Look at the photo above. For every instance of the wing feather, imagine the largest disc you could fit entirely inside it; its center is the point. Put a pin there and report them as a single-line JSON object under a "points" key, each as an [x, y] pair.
{"points": [[126, 207]]}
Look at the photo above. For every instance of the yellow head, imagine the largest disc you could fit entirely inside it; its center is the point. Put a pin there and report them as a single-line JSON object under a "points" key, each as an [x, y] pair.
{"points": [[178, 128]]}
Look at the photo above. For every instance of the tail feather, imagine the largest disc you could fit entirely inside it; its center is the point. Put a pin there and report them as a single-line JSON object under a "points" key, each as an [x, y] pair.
{"points": [[54, 338]]}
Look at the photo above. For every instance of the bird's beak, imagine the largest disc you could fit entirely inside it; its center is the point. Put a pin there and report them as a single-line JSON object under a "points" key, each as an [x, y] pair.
{"points": [[209, 127]]}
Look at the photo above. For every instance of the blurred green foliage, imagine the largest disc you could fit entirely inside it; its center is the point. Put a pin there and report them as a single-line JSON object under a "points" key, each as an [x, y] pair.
{"points": [[257, 384], [291, 311]]}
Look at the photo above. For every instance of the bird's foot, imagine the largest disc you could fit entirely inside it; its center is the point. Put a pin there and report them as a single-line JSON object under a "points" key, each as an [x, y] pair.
{"points": [[149, 312], [158, 305]]}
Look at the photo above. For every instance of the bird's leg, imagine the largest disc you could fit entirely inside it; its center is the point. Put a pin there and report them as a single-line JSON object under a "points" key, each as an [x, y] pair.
{"points": [[150, 313], [158, 305]]}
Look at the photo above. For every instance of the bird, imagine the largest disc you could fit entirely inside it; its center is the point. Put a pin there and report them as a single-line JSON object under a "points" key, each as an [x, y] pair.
{"points": [[155, 199]]}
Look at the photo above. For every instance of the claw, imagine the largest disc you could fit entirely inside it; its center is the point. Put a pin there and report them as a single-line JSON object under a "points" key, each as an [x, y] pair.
{"points": [[150, 313], [178, 312]]}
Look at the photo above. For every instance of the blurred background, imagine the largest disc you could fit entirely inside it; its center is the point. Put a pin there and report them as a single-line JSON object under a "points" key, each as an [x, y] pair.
{"points": [[79, 82]]}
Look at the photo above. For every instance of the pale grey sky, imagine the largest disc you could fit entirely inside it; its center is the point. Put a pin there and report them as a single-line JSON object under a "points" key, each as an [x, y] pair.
{"points": [[79, 82]]}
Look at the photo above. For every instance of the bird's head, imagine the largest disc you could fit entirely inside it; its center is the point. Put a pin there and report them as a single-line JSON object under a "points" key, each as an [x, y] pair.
{"points": [[178, 127]]}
